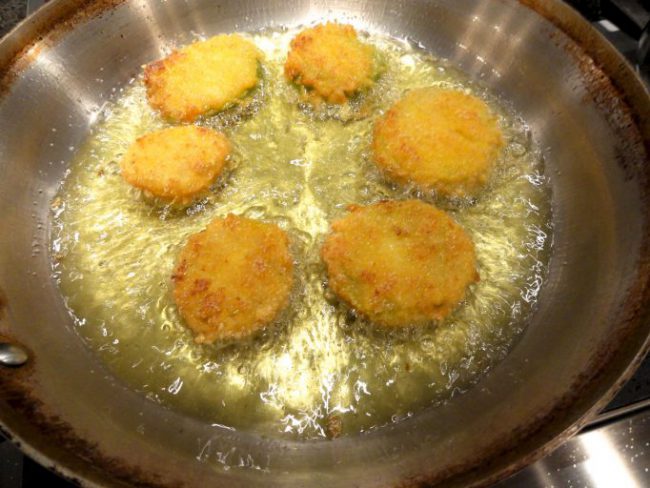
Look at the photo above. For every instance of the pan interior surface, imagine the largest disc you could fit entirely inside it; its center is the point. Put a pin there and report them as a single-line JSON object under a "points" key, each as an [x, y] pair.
{"points": [[322, 371], [580, 340]]}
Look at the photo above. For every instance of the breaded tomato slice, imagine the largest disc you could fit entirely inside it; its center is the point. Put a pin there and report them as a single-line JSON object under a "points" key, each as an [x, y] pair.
{"points": [[438, 139], [330, 61], [399, 262], [202, 78], [176, 165], [233, 278]]}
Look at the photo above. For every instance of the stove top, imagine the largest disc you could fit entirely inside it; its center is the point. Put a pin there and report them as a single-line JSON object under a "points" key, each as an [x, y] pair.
{"points": [[611, 451]]}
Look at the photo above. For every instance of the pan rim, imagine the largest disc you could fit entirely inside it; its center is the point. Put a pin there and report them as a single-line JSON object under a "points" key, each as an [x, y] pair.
{"points": [[64, 14]]}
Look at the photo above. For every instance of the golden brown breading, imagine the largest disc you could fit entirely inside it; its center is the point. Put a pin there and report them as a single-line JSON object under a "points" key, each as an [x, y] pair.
{"points": [[331, 61], [233, 278], [442, 140], [177, 164], [399, 262], [202, 78]]}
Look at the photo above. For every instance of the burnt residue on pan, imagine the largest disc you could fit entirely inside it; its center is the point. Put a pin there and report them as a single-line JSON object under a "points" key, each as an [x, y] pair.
{"points": [[631, 153], [64, 445], [18, 395], [609, 83], [41, 32]]}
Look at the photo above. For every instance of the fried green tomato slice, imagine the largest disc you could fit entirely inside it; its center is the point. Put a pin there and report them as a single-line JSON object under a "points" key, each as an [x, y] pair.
{"points": [[202, 78], [329, 60], [233, 278], [176, 165], [399, 263], [437, 139]]}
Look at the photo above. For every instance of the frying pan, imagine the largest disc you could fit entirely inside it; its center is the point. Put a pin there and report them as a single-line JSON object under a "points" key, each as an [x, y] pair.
{"points": [[586, 109]]}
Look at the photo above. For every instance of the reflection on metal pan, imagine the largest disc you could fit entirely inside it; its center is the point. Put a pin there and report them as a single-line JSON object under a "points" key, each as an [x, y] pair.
{"points": [[586, 109]]}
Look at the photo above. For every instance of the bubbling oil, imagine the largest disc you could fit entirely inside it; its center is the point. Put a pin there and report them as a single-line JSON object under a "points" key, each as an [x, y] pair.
{"points": [[321, 368]]}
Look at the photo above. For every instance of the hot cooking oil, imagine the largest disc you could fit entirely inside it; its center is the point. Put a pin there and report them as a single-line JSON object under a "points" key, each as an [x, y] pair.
{"points": [[113, 253]]}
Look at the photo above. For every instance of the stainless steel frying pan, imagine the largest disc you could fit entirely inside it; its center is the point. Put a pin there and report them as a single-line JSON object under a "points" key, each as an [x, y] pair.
{"points": [[586, 109]]}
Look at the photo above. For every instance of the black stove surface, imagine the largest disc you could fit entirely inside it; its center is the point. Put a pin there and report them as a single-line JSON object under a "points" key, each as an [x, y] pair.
{"points": [[622, 21]]}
